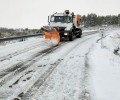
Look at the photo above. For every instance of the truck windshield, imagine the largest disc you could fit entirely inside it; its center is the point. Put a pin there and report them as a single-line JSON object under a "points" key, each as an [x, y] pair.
{"points": [[63, 19]]}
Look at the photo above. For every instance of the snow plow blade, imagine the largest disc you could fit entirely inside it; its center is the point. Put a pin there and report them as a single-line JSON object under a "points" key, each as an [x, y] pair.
{"points": [[51, 34]]}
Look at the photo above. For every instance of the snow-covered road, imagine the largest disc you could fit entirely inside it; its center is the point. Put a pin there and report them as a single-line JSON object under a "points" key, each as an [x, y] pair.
{"points": [[35, 70]]}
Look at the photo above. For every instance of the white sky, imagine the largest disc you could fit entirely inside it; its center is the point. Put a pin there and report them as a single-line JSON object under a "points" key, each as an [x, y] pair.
{"points": [[34, 13]]}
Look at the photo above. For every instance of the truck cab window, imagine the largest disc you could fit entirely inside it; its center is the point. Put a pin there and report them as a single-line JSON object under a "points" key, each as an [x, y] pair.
{"points": [[62, 19]]}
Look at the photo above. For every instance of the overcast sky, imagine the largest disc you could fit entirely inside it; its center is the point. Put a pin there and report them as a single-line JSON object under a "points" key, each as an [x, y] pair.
{"points": [[34, 13]]}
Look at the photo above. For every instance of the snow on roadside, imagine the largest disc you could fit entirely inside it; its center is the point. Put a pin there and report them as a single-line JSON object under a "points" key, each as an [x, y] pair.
{"points": [[86, 31], [105, 70], [112, 41]]}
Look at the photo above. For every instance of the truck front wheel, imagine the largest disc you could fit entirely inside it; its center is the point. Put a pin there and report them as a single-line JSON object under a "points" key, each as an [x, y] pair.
{"points": [[71, 37], [80, 33]]}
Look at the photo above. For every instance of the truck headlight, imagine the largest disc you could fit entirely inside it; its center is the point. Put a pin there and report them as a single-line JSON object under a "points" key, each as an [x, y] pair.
{"points": [[65, 33]]}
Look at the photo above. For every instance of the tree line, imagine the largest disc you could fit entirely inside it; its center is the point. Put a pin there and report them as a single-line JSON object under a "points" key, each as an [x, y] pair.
{"points": [[87, 20], [94, 20]]}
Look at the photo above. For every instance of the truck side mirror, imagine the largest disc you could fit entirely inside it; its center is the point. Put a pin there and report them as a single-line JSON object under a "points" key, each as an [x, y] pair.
{"points": [[48, 21], [73, 18]]}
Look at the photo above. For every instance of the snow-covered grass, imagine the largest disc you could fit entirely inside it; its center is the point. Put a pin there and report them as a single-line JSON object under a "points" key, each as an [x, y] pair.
{"points": [[112, 41], [104, 74]]}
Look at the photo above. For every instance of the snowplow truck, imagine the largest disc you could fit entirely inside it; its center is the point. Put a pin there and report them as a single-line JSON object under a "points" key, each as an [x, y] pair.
{"points": [[67, 24]]}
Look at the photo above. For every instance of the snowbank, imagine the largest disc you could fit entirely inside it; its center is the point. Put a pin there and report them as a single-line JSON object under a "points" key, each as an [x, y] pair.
{"points": [[104, 75]]}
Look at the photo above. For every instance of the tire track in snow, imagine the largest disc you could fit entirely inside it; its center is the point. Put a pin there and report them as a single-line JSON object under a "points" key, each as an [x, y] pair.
{"points": [[56, 48], [86, 95], [9, 56], [39, 82], [18, 65], [42, 79], [7, 76]]}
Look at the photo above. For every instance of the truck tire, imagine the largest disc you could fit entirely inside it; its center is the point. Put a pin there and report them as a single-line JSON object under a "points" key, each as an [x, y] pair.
{"points": [[71, 37], [79, 36], [80, 33]]}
